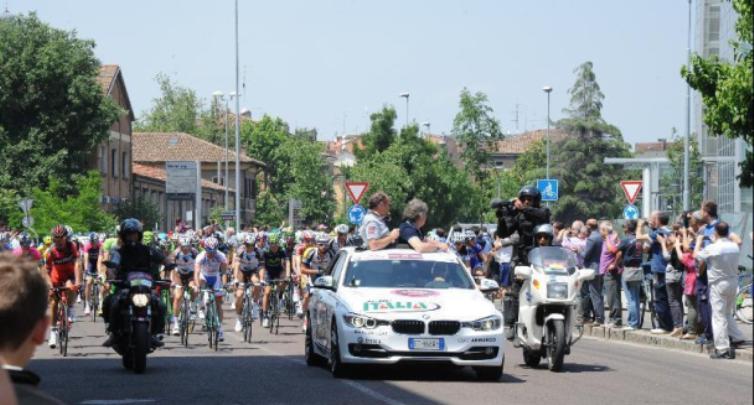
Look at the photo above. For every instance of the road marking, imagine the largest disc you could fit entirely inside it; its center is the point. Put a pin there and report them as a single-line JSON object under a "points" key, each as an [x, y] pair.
{"points": [[116, 401], [353, 384]]}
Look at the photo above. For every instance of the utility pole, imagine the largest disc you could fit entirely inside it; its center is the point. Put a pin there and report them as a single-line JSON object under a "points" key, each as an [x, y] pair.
{"points": [[688, 123], [238, 135]]}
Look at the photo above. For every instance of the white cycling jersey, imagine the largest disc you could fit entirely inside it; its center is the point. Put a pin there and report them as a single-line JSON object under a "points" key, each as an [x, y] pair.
{"points": [[250, 259], [184, 262], [210, 266]]}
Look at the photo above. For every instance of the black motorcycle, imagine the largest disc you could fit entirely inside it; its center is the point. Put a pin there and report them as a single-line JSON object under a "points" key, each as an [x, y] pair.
{"points": [[134, 333]]}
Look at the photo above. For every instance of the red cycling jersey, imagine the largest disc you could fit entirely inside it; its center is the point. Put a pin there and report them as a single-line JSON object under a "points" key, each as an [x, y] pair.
{"points": [[61, 264]]}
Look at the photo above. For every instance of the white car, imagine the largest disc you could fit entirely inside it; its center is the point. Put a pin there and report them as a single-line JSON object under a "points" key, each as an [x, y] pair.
{"points": [[398, 305]]}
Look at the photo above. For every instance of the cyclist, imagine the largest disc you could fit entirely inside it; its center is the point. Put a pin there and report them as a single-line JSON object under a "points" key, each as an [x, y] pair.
{"points": [[276, 266], [91, 253], [341, 238], [182, 277], [63, 270], [208, 269], [314, 264], [26, 249], [246, 270]]}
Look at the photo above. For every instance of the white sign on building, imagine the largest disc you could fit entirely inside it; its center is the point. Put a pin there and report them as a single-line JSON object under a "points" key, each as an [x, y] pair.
{"points": [[181, 177]]}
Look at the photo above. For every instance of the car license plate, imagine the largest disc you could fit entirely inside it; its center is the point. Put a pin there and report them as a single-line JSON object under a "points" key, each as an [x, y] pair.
{"points": [[420, 344]]}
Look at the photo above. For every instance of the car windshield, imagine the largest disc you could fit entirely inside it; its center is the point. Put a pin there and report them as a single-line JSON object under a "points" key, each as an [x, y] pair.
{"points": [[553, 260], [407, 273]]}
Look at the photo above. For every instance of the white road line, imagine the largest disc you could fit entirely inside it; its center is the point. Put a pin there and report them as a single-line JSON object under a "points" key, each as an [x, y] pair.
{"points": [[353, 384], [116, 401]]}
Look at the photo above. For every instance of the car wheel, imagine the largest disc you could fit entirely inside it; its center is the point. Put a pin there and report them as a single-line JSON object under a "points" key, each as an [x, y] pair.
{"points": [[311, 356], [337, 368], [493, 373], [532, 358]]}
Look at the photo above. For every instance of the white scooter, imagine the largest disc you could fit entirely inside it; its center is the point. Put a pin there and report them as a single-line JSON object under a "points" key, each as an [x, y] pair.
{"points": [[547, 302]]}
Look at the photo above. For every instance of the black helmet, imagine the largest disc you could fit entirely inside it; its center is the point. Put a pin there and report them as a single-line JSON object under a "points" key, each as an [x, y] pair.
{"points": [[544, 229], [130, 225], [24, 240], [532, 192]]}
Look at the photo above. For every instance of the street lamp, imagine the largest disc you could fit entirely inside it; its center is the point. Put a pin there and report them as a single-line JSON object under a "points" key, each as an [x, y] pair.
{"points": [[238, 133], [688, 122], [426, 124], [219, 94], [548, 90], [406, 95]]}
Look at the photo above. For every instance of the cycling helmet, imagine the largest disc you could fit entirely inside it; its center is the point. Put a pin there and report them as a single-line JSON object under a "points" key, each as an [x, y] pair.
{"points": [[342, 229], [458, 237], [469, 235], [184, 242], [531, 192], [250, 239], [322, 238], [130, 225], [47, 240], [544, 229], [59, 231], [93, 237], [307, 236], [147, 237], [210, 244], [24, 240], [69, 230], [274, 239]]}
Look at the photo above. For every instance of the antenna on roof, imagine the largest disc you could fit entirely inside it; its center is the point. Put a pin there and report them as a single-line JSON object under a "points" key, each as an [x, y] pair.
{"points": [[515, 115], [6, 11]]}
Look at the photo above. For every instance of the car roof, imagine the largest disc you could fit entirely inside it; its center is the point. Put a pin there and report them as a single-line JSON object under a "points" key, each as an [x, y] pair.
{"points": [[400, 254]]}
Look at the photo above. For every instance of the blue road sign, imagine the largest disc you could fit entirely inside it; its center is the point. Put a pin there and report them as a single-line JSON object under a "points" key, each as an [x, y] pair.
{"points": [[356, 214], [630, 212], [548, 188]]}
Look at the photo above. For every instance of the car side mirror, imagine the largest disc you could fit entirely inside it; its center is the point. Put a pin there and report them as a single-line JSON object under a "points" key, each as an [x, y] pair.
{"points": [[523, 272], [488, 285], [325, 282], [586, 274]]}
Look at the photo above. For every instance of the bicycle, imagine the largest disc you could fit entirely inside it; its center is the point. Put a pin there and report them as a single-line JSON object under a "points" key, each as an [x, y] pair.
{"points": [[287, 299], [273, 312], [63, 324], [186, 322], [94, 300], [211, 318], [247, 316], [744, 310], [646, 297]]}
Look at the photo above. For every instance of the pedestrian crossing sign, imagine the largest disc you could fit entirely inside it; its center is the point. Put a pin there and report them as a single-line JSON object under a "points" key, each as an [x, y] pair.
{"points": [[548, 188]]}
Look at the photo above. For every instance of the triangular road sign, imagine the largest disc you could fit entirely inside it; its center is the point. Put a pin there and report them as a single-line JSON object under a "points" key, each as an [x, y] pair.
{"points": [[631, 188], [356, 190]]}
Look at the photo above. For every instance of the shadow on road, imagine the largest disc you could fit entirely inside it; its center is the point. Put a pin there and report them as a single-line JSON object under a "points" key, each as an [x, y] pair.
{"points": [[427, 372], [572, 368]]}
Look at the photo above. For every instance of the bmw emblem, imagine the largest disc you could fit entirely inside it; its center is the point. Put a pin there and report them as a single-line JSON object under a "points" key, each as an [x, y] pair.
{"points": [[425, 317]]}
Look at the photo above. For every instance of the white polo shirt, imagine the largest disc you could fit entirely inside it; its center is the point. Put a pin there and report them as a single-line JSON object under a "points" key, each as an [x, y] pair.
{"points": [[721, 258]]}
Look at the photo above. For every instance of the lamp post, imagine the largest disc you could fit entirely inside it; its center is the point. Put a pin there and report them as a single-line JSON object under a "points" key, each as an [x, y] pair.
{"points": [[219, 94], [426, 125], [548, 90], [406, 95], [238, 133], [688, 122]]}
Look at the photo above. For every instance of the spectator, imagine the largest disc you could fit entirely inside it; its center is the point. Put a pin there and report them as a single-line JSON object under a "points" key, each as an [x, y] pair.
{"points": [[708, 215], [610, 270], [658, 223], [558, 229], [415, 215], [673, 274], [576, 242], [592, 253], [23, 306], [721, 258], [690, 271], [374, 230], [630, 254]]}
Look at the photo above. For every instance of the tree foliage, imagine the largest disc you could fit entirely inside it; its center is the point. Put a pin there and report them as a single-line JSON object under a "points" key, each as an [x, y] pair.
{"points": [[140, 208], [381, 132], [311, 183], [726, 89], [476, 130], [671, 183], [52, 110], [588, 187], [264, 140], [270, 210]]}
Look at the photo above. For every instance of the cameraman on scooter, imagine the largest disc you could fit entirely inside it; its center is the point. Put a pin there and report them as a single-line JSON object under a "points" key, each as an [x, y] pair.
{"points": [[516, 223]]}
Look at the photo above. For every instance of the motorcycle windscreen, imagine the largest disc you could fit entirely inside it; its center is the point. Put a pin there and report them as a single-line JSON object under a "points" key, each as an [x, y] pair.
{"points": [[553, 260]]}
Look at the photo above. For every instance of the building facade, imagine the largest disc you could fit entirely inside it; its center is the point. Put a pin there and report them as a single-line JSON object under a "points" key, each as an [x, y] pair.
{"points": [[112, 157], [715, 28]]}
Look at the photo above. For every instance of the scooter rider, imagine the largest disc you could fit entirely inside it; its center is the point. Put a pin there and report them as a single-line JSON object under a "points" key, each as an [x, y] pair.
{"points": [[132, 256], [520, 218]]}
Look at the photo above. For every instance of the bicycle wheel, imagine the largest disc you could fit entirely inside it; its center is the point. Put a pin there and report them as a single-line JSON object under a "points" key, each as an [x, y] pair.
{"points": [[167, 302], [184, 321], [209, 321], [744, 311], [248, 320], [95, 301], [63, 328]]}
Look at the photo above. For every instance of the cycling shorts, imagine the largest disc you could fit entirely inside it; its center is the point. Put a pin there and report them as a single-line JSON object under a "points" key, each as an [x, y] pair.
{"points": [[505, 274], [91, 268], [186, 278], [215, 283], [58, 278], [272, 275]]}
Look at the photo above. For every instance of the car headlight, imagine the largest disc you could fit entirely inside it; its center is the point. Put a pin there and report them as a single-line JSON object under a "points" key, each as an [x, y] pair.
{"points": [[485, 324], [140, 300], [557, 290], [361, 321]]}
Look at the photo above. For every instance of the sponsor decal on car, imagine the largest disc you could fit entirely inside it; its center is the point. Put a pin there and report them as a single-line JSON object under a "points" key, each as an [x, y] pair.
{"points": [[399, 306], [415, 293], [484, 340]]}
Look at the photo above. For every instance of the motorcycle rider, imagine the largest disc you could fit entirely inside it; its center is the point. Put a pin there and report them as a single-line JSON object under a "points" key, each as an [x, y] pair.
{"points": [[544, 235], [132, 256], [516, 224]]}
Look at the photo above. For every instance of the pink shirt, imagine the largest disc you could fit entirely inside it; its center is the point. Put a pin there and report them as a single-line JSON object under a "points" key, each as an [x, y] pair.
{"points": [[33, 253]]}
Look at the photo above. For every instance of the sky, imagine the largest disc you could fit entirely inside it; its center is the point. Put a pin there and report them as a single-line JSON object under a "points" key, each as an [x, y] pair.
{"points": [[328, 64]]}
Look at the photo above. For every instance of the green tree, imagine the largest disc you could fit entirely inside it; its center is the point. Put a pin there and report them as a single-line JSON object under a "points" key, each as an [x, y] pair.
{"points": [[82, 210], [270, 210], [588, 187], [671, 183], [726, 89], [476, 130], [263, 140], [311, 184], [176, 109], [381, 132], [140, 208], [52, 110]]}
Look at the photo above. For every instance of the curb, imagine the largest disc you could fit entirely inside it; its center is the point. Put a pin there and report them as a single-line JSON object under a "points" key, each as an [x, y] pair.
{"points": [[644, 337]]}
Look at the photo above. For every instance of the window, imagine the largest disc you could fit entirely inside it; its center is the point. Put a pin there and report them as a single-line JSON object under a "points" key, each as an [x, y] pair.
{"points": [[102, 156], [338, 266], [114, 162], [125, 163]]}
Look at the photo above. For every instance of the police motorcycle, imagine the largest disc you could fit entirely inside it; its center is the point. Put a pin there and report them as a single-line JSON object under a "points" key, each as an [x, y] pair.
{"points": [[134, 337], [547, 304]]}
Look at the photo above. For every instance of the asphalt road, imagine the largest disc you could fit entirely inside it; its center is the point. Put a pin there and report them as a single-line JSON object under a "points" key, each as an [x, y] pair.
{"points": [[271, 370]]}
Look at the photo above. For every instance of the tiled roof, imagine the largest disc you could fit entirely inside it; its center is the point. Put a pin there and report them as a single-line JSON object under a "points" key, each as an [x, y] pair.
{"points": [[158, 173], [107, 74], [644, 147], [518, 144], [165, 146]]}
